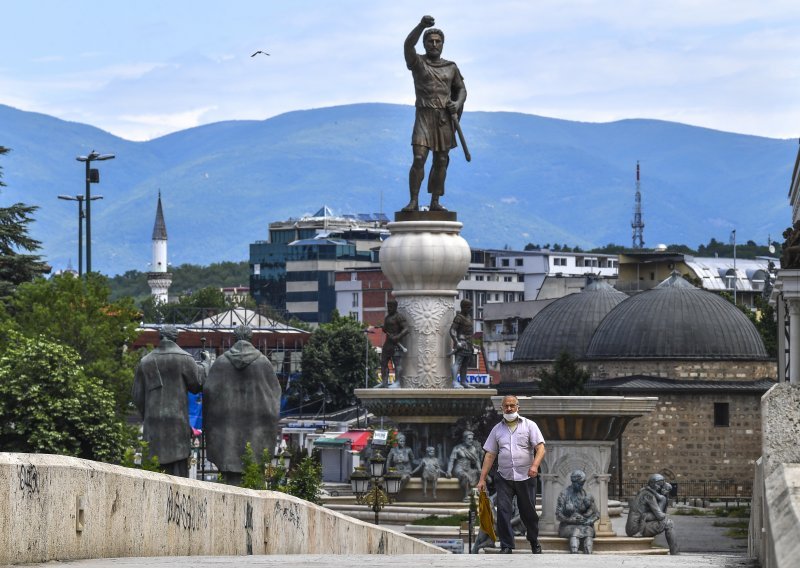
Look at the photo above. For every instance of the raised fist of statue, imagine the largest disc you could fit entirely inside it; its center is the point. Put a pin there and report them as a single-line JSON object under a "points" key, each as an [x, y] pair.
{"points": [[427, 21]]}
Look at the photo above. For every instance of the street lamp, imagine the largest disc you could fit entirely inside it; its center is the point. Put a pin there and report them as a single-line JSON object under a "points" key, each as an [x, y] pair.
{"points": [[92, 176], [375, 488], [79, 199]]}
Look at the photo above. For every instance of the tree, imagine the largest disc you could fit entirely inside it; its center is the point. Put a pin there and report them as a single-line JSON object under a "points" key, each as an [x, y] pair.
{"points": [[77, 312], [50, 405], [565, 379], [333, 360], [17, 267], [305, 480]]}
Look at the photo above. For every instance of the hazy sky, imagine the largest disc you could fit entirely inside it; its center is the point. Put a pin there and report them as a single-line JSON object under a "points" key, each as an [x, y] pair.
{"points": [[143, 68]]}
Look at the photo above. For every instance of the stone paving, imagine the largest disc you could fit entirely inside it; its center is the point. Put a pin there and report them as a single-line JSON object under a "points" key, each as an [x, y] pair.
{"points": [[415, 561]]}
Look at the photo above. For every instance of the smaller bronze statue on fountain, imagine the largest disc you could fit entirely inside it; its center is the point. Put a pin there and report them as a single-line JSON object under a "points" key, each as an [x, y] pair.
{"points": [[431, 469], [401, 459], [461, 331], [465, 462], [576, 512], [396, 328], [648, 517], [790, 250]]}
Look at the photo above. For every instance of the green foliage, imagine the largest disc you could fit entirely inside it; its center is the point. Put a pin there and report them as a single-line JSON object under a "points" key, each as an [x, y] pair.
{"points": [[191, 307], [763, 318], [17, 267], [252, 472], [334, 358], [565, 379], [77, 312], [305, 480], [748, 250], [50, 405], [133, 458], [186, 279], [436, 521]]}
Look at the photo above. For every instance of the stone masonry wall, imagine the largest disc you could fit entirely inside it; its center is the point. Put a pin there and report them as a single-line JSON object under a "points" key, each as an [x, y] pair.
{"points": [[679, 439], [62, 508], [730, 370]]}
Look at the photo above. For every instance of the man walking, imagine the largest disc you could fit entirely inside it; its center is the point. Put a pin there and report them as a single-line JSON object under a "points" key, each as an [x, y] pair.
{"points": [[518, 446]]}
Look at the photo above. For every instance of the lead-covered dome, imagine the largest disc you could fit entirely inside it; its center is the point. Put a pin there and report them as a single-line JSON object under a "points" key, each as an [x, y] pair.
{"points": [[567, 324], [675, 320]]}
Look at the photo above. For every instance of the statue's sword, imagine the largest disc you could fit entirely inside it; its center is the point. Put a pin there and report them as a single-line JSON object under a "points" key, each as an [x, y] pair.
{"points": [[461, 137]]}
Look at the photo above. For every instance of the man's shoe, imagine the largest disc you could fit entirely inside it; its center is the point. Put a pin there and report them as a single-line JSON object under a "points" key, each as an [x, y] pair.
{"points": [[536, 548], [505, 550]]}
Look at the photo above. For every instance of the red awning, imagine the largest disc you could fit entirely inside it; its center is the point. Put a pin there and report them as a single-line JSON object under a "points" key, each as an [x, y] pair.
{"points": [[358, 438]]}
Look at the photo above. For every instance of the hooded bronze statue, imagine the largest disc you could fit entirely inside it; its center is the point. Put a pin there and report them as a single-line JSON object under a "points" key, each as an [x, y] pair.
{"points": [[241, 404], [162, 379]]}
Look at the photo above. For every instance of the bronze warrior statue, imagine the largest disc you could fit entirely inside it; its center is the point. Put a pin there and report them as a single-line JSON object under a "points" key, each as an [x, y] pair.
{"points": [[461, 331], [395, 327], [440, 96]]}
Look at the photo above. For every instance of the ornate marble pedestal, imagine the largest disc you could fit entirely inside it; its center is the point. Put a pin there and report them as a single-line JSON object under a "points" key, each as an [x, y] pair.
{"points": [[425, 258]]}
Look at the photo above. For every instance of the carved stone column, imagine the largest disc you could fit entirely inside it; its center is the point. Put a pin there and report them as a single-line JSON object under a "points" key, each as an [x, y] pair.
{"points": [[547, 520], [425, 260], [794, 340]]}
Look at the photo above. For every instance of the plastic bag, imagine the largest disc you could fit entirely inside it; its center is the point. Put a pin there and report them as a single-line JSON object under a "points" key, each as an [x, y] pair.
{"points": [[486, 515]]}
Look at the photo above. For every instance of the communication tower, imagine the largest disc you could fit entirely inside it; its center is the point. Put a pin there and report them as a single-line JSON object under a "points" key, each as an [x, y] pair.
{"points": [[638, 224]]}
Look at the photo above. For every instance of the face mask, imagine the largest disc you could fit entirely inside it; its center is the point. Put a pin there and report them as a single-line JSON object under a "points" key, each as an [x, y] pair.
{"points": [[510, 417]]}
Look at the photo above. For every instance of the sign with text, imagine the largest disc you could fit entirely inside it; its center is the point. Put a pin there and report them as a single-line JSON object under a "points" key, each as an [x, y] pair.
{"points": [[479, 379], [379, 437]]}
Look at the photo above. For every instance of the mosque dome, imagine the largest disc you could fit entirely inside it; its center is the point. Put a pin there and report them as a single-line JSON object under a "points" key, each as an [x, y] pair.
{"points": [[675, 320], [567, 324]]}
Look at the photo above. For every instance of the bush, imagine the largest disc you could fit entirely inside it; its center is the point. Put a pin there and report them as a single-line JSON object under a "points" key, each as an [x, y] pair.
{"points": [[49, 405], [305, 480]]}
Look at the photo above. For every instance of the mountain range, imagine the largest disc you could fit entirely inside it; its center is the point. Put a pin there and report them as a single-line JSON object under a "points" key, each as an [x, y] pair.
{"points": [[531, 179]]}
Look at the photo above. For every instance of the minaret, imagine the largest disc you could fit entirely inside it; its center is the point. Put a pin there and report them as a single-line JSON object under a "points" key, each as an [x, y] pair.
{"points": [[158, 278], [638, 224]]}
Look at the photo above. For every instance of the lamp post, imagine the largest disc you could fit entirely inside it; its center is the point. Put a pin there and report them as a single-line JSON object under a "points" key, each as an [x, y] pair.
{"points": [[375, 488], [92, 176], [79, 199], [367, 331]]}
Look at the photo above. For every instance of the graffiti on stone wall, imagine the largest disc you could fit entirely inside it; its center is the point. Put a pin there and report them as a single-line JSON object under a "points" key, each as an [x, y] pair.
{"points": [[187, 512], [248, 526], [290, 513], [28, 477]]}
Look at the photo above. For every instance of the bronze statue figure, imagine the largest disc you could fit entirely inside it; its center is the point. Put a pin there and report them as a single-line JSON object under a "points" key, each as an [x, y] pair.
{"points": [[648, 517], [790, 250], [440, 96], [461, 331], [465, 462], [576, 512], [396, 328], [401, 458], [431, 471], [162, 379], [241, 404]]}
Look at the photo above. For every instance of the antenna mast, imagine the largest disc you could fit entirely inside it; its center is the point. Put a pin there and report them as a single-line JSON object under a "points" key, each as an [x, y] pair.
{"points": [[637, 224]]}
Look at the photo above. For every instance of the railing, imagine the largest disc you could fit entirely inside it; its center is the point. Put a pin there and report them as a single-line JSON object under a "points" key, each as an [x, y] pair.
{"points": [[732, 493]]}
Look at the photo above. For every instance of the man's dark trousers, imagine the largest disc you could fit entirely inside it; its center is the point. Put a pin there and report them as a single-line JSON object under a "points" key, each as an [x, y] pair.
{"points": [[526, 501]]}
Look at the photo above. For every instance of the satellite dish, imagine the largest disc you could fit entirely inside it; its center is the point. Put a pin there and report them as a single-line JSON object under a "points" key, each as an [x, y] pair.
{"points": [[771, 249]]}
